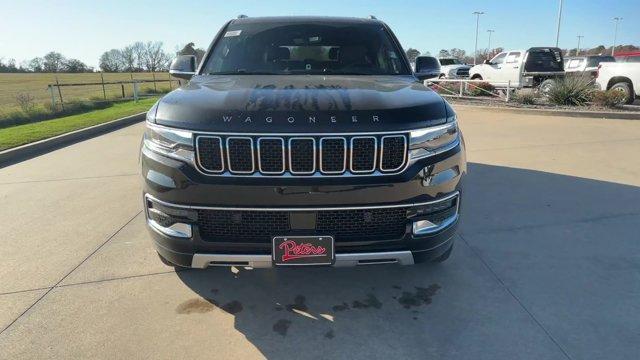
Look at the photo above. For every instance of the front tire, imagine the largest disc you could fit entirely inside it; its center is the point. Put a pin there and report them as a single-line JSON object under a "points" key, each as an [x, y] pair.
{"points": [[546, 86], [625, 88]]}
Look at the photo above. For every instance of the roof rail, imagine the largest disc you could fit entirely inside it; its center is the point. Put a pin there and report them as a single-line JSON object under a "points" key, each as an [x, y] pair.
{"points": [[242, 16], [372, 17]]}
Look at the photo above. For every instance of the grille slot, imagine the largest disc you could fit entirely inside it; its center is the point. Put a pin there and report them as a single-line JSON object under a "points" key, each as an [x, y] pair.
{"points": [[393, 152], [210, 153], [302, 155], [242, 226], [363, 154], [240, 155], [333, 155], [261, 226], [271, 155], [313, 155]]}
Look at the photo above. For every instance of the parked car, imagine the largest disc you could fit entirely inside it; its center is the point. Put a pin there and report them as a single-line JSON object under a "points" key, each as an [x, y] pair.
{"points": [[585, 64], [537, 67], [292, 144], [453, 68], [633, 56], [624, 77], [427, 67]]}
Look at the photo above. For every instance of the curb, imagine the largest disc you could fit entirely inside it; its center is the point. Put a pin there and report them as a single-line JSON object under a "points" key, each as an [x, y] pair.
{"points": [[29, 151], [568, 113]]}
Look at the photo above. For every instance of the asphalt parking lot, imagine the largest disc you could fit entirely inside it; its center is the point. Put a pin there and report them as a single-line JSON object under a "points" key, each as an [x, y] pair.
{"points": [[546, 264]]}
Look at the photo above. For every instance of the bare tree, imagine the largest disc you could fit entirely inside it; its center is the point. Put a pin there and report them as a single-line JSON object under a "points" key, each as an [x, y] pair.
{"points": [[53, 62], [139, 51], [111, 61], [155, 57], [128, 58], [457, 53]]}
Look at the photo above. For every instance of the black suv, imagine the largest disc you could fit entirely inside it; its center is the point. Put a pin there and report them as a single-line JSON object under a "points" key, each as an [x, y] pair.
{"points": [[301, 141]]}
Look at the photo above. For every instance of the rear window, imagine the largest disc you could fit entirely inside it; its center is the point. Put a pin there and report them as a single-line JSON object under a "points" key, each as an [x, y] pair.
{"points": [[450, 62], [306, 48], [544, 60], [596, 60]]}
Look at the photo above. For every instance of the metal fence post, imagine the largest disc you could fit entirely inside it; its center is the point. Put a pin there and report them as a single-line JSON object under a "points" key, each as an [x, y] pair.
{"points": [[508, 90], [104, 93], [461, 84], [53, 98], [170, 88], [135, 91]]}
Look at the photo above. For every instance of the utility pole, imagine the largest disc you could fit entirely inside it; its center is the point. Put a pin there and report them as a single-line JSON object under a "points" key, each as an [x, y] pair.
{"points": [[475, 51], [615, 35], [490, 32], [578, 49], [559, 20]]}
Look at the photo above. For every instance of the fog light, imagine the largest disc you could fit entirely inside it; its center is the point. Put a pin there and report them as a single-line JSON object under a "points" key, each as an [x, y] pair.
{"points": [[433, 217], [169, 221]]}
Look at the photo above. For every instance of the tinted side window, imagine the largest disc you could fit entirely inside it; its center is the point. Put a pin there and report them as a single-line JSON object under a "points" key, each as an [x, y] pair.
{"points": [[513, 57], [498, 59]]}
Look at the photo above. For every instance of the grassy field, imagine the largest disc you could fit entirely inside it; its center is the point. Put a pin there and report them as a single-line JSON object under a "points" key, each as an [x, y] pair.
{"points": [[24, 134], [36, 86]]}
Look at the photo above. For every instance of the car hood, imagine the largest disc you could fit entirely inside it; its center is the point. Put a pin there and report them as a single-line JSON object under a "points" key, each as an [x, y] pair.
{"points": [[301, 103]]}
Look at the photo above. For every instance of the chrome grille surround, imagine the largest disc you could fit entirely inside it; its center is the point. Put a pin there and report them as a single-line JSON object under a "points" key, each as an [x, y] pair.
{"points": [[404, 152], [318, 139]]}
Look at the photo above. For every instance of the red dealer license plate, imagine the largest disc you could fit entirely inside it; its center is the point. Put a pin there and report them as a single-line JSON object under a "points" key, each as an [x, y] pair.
{"points": [[303, 250]]}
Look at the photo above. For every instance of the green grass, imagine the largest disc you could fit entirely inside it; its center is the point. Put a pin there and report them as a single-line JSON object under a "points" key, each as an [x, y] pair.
{"points": [[35, 84], [24, 134]]}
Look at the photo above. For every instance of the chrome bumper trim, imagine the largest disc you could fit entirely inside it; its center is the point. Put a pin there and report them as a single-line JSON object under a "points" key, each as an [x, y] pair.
{"points": [[202, 261]]}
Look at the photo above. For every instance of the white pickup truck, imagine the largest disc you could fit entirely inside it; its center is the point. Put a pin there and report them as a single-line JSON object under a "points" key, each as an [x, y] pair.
{"points": [[623, 77], [537, 67]]}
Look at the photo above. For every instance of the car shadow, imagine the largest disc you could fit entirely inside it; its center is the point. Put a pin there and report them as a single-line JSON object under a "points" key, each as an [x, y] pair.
{"points": [[459, 309]]}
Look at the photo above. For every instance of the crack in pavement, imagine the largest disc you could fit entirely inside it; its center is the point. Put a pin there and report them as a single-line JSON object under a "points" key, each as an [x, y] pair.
{"points": [[71, 271], [486, 265], [68, 179]]}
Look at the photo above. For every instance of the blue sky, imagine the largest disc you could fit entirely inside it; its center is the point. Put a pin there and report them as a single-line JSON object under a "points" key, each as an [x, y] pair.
{"points": [[85, 29]]}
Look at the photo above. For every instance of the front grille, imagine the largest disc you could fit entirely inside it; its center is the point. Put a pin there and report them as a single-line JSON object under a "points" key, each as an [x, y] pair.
{"points": [[301, 156], [394, 150], [462, 72], [262, 226], [240, 154]]}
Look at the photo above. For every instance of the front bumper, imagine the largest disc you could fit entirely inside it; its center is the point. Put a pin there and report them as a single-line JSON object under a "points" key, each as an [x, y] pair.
{"points": [[176, 187]]}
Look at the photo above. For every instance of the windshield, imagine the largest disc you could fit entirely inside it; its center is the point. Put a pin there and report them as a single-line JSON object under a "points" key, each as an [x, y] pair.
{"points": [[296, 48], [450, 62]]}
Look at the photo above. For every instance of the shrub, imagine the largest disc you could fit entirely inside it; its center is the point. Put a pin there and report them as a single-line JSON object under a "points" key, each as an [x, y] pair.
{"points": [[25, 101], [525, 98], [574, 91], [481, 89], [446, 88], [609, 98]]}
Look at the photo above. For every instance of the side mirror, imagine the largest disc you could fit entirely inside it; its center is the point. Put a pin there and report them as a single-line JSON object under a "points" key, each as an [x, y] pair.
{"points": [[487, 62], [183, 66]]}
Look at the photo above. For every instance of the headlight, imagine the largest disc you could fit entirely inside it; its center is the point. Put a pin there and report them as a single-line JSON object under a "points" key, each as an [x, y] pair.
{"points": [[173, 143], [434, 140]]}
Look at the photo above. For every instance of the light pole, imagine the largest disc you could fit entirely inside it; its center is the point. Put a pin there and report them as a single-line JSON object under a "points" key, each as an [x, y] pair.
{"points": [[559, 19], [615, 35], [490, 32], [578, 49], [475, 50]]}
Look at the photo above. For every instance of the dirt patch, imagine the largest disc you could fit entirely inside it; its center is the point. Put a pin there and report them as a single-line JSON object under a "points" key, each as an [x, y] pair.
{"points": [[233, 307], [422, 296], [341, 307], [282, 326], [329, 335], [195, 306], [370, 301], [298, 304]]}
